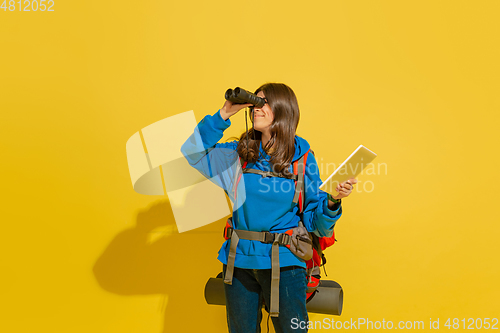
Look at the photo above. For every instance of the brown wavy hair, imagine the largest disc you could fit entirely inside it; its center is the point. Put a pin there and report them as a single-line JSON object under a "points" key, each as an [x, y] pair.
{"points": [[284, 105]]}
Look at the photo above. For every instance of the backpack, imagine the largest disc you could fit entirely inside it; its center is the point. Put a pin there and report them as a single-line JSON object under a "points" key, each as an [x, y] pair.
{"points": [[302, 243]]}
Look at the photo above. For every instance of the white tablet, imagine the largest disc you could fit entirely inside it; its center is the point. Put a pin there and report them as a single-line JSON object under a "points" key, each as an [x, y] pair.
{"points": [[350, 168]]}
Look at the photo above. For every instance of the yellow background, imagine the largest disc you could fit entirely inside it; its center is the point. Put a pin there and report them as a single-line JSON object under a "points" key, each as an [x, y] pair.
{"points": [[416, 82]]}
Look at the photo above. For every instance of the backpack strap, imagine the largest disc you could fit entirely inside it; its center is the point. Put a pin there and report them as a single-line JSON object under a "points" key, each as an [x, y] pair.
{"points": [[276, 239], [269, 174], [266, 237], [237, 175], [228, 230], [299, 169]]}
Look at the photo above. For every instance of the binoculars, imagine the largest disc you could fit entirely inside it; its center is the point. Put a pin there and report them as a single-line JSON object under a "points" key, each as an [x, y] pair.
{"points": [[242, 96]]}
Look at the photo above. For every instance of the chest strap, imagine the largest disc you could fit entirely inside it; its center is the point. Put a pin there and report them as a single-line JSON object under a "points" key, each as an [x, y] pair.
{"points": [[270, 174]]}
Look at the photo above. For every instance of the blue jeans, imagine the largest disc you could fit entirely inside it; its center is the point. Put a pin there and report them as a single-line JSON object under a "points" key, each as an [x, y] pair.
{"points": [[252, 287]]}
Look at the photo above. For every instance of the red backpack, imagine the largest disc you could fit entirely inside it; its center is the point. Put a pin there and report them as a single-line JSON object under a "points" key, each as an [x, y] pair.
{"points": [[296, 239]]}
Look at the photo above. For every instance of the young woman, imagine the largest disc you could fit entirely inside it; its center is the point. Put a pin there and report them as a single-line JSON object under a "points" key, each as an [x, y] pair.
{"points": [[264, 204]]}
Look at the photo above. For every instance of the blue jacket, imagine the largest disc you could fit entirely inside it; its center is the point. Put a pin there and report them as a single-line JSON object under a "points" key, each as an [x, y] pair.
{"points": [[263, 203]]}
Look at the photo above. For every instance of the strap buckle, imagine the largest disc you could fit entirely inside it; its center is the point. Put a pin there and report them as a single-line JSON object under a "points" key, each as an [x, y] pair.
{"points": [[266, 174], [284, 239], [228, 231], [269, 237]]}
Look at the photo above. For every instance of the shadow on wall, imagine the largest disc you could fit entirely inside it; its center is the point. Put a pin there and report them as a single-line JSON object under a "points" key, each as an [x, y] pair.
{"points": [[172, 264]]}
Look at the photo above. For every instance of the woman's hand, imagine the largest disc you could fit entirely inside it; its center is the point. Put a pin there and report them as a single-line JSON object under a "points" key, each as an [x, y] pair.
{"points": [[345, 188], [230, 109]]}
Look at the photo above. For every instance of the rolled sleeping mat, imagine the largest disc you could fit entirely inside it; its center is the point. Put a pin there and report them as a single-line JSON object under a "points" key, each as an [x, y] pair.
{"points": [[328, 298]]}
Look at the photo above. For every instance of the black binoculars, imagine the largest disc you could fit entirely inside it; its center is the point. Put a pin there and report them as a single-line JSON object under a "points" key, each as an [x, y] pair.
{"points": [[242, 96]]}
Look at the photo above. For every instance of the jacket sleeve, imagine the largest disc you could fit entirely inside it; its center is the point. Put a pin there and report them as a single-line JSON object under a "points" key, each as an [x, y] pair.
{"points": [[216, 161], [318, 218]]}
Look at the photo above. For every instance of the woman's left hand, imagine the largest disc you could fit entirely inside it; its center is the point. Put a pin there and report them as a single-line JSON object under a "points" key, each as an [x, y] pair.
{"points": [[345, 188]]}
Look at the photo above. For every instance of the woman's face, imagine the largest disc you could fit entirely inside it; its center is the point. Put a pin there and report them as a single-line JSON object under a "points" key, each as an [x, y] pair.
{"points": [[264, 116]]}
